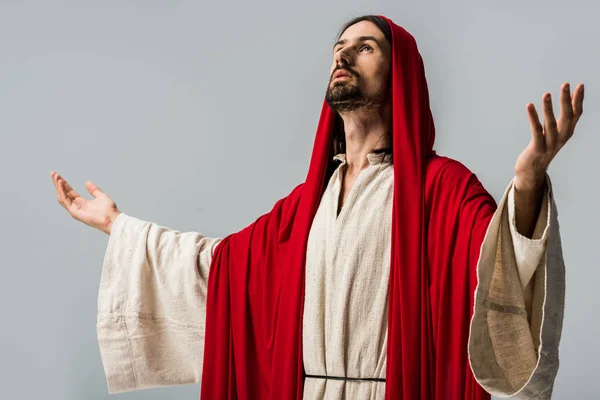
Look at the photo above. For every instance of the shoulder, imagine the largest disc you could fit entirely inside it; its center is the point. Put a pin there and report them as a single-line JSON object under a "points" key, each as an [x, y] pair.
{"points": [[442, 170], [447, 178]]}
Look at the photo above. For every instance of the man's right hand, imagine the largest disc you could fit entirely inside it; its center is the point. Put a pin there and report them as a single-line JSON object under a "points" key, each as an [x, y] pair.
{"points": [[99, 213]]}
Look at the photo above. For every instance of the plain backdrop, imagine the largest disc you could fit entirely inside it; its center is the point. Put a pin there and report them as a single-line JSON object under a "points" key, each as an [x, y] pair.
{"points": [[199, 116]]}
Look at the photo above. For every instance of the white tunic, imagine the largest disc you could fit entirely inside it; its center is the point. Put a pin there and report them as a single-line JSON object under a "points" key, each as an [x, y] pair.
{"points": [[152, 295], [344, 330]]}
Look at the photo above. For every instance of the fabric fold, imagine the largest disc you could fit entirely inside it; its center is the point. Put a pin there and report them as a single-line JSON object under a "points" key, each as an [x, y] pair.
{"points": [[151, 305], [513, 351]]}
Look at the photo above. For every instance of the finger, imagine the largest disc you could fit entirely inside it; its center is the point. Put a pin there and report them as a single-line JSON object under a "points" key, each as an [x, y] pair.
{"points": [[537, 133], [55, 180], [53, 177], [566, 114], [60, 185], [93, 189], [70, 192], [577, 103], [550, 130], [63, 197]]}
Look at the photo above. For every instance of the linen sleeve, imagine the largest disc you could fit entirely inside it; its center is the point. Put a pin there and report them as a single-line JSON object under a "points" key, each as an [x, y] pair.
{"points": [[513, 341], [528, 252], [152, 305]]}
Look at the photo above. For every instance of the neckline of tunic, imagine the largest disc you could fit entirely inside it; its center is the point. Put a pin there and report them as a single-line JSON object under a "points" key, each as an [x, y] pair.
{"points": [[373, 158]]}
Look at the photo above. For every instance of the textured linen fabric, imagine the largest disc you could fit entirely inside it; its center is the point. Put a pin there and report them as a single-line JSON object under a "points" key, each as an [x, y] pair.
{"points": [[514, 333], [344, 329], [152, 295], [152, 305]]}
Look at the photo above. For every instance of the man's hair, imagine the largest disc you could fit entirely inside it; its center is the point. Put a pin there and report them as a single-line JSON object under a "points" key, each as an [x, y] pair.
{"points": [[338, 143], [377, 20]]}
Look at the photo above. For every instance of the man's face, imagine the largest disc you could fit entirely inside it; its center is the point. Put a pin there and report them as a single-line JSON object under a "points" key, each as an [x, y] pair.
{"points": [[364, 54]]}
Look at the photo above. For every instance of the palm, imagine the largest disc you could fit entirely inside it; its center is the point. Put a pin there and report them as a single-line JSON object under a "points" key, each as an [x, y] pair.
{"points": [[91, 211]]}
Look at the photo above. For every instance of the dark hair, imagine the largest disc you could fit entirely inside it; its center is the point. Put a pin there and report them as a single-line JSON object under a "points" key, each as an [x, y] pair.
{"points": [[377, 20], [338, 142]]}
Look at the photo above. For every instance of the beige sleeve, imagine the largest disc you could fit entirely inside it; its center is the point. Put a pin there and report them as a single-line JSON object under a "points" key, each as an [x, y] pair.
{"points": [[528, 252], [152, 304], [513, 345]]}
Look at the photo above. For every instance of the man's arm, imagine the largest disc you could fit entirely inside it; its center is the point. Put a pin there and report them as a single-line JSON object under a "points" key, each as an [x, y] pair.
{"points": [[528, 202], [528, 250], [516, 325], [546, 141], [151, 305]]}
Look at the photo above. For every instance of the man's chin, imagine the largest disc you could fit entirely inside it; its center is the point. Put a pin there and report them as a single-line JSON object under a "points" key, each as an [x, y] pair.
{"points": [[343, 93], [351, 103], [340, 105]]}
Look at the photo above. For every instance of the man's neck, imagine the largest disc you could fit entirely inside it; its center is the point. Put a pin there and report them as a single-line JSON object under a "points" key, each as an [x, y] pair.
{"points": [[365, 133]]}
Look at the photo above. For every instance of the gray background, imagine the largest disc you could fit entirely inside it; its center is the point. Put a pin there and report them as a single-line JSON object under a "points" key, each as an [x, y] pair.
{"points": [[200, 116]]}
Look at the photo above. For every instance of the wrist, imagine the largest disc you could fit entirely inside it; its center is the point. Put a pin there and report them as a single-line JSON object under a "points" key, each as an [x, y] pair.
{"points": [[111, 219], [531, 183]]}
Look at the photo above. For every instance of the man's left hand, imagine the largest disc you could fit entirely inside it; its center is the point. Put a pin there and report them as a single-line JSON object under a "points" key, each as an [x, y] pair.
{"points": [[547, 139]]}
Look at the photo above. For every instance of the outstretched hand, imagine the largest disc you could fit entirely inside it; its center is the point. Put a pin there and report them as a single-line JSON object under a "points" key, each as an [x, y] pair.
{"points": [[98, 213], [547, 139]]}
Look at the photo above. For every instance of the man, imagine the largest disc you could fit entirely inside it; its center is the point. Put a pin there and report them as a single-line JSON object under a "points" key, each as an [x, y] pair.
{"points": [[389, 273]]}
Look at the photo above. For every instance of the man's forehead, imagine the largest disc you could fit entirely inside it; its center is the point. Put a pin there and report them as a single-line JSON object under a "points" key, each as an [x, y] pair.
{"points": [[362, 28], [362, 31]]}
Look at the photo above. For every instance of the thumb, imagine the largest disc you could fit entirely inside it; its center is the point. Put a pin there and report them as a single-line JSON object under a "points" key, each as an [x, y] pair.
{"points": [[93, 189]]}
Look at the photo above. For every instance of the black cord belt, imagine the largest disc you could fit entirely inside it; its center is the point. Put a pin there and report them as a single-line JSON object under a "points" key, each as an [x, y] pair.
{"points": [[343, 378]]}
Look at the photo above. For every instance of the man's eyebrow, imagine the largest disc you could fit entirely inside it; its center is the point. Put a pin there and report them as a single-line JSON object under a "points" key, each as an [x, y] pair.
{"points": [[358, 39]]}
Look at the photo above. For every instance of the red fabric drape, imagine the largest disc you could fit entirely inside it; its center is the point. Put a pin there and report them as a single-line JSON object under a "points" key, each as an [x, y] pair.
{"points": [[253, 342]]}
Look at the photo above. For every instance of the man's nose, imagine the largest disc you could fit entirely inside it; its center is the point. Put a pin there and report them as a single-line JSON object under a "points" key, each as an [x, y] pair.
{"points": [[342, 59]]}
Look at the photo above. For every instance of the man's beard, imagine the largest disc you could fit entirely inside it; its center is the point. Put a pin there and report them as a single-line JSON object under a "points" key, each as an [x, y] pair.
{"points": [[345, 95]]}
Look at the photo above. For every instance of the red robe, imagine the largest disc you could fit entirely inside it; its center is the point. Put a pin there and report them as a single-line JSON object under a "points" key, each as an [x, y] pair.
{"points": [[253, 338]]}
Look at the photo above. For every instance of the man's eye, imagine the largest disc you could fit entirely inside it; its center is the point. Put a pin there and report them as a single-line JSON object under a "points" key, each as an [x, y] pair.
{"points": [[365, 46]]}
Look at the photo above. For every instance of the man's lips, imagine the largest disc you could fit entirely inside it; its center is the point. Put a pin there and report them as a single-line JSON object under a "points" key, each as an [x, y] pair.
{"points": [[341, 74]]}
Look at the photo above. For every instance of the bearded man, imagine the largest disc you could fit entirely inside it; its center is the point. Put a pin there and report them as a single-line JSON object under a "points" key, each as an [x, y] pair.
{"points": [[390, 273]]}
